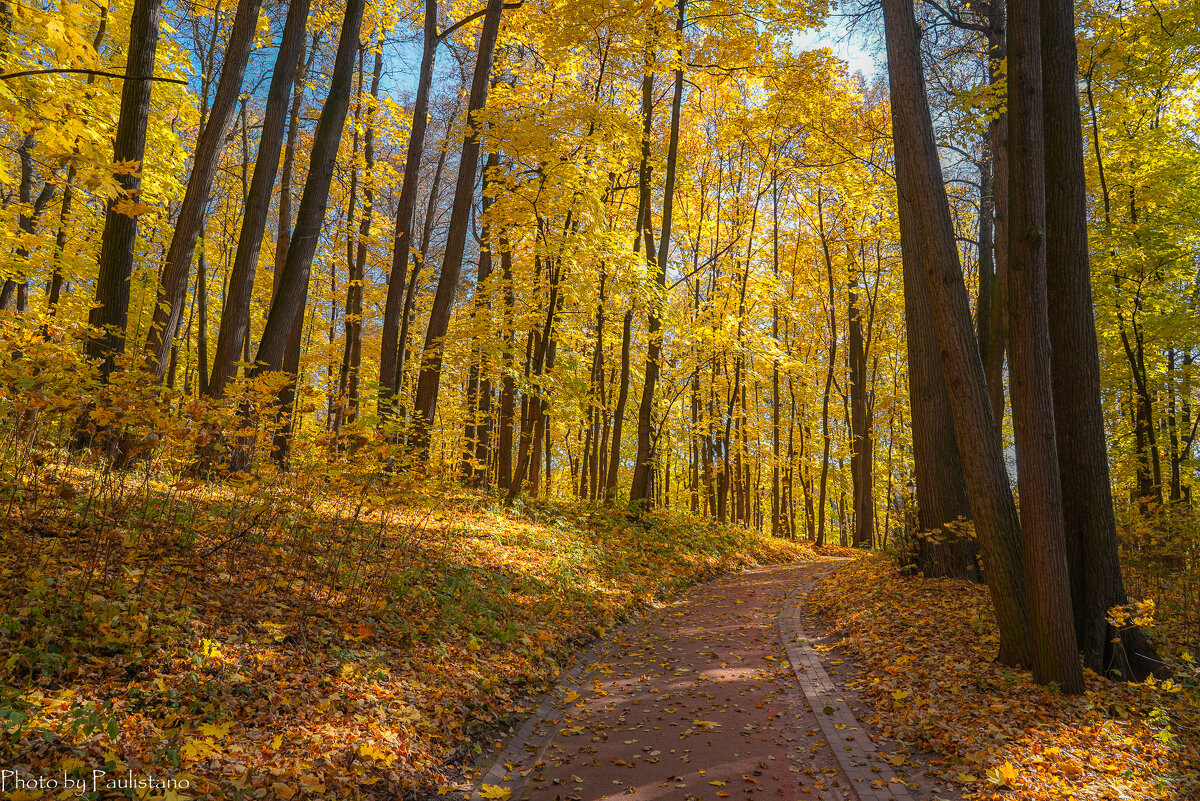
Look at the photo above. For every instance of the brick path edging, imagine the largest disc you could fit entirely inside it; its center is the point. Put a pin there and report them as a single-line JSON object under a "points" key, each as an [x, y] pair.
{"points": [[871, 777]]}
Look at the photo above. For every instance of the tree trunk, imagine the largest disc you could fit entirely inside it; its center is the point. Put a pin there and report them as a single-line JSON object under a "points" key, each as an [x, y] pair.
{"points": [[639, 490], [918, 175], [997, 338], [1052, 646], [235, 316], [391, 349], [172, 288], [310, 217], [508, 388], [860, 424], [941, 489], [120, 231], [348, 377], [429, 378], [614, 459], [1096, 582]]}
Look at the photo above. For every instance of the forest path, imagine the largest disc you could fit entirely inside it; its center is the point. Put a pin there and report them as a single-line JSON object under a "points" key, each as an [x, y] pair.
{"points": [[700, 701]]}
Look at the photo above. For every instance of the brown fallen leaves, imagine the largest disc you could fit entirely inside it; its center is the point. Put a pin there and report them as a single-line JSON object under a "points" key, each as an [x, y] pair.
{"points": [[925, 648]]}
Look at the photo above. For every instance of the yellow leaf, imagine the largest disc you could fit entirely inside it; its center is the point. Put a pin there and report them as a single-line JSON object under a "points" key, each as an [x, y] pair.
{"points": [[198, 749], [213, 730], [1002, 775], [495, 792]]}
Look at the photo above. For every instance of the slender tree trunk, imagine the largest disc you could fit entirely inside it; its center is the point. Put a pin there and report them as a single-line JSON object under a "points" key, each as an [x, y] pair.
{"points": [[429, 377], [60, 241], [202, 319], [997, 338], [172, 288], [918, 175], [614, 459], [861, 449], [310, 217], [235, 316], [348, 377], [391, 349], [508, 382], [1096, 582], [639, 491], [410, 292], [644, 236], [479, 391]]}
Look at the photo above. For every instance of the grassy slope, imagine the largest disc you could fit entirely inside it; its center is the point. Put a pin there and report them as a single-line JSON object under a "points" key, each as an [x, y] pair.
{"points": [[269, 645]]}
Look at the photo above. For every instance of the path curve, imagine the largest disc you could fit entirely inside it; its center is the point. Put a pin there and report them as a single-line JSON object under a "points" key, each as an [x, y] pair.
{"points": [[717, 696]]}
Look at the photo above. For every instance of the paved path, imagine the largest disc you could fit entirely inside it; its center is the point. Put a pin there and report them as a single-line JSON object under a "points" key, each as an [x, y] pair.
{"points": [[716, 696]]}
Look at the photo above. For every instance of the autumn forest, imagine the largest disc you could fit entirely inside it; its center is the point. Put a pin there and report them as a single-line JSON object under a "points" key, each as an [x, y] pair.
{"points": [[365, 362]]}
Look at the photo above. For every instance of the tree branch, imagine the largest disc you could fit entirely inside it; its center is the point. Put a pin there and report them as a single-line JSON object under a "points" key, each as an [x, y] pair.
{"points": [[99, 73], [472, 17]]}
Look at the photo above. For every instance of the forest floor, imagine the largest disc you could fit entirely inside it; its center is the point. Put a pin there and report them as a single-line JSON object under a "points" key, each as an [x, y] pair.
{"points": [[919, 653], [279, 642], [298, 643]]}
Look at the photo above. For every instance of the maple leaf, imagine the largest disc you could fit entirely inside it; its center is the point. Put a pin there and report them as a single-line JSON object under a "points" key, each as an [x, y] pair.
{"points": [[494, 792], [196, 749], [1002, 775]]}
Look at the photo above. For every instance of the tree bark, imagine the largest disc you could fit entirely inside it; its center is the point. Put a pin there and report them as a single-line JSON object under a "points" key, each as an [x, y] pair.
{"points": [[1091, 535], [919, 179], [235, 316], [639, 490], [120, 231], [348, 378], [391, 349], [1052, 646], [429, 377], [860, 424], [172, 288], [310, 217]]}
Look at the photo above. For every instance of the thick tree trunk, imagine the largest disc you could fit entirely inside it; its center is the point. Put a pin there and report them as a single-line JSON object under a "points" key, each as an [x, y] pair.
{"points": [[172, 288], [1053, 651], [235, 316], [283, 227], [1096, 582], [919, 179], [941, 489], [120, 231], [430, 375]]}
